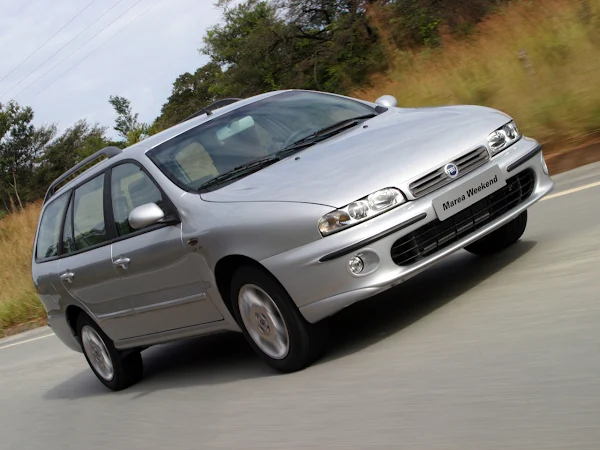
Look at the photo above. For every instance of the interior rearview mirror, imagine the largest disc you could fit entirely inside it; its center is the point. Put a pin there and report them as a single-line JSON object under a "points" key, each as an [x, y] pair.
{"points": [[235, 127], [389, 101], [145, 215]]}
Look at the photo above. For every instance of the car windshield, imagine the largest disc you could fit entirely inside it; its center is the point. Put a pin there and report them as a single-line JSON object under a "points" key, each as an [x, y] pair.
{"points": [[249, 133]]}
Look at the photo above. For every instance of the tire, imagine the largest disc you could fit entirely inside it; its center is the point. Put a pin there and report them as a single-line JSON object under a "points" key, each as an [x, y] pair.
{"points": [[127, 368], [500, 239], [273, 325]]}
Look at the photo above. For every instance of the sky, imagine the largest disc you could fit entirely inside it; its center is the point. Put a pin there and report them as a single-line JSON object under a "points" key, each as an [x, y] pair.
{"points": [[159, 41]]}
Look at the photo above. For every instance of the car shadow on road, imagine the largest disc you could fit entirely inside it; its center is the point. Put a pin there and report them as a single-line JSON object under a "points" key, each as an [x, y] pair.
{"points": [[225, 358], [216, 359], [365, 323]]}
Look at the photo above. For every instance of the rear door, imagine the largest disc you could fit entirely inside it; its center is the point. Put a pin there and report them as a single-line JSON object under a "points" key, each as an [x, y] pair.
{"points": [[47, 248], [158, 276], [85, 269]]}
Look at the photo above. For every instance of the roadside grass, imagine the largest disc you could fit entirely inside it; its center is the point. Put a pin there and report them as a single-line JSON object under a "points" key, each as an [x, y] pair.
{"points": [[19, 302], [537, 60]]}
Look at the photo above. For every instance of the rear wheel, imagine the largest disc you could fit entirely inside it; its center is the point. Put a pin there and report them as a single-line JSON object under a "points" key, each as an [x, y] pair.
{"points": [[272, 323], [502, 238], [116, 370]]}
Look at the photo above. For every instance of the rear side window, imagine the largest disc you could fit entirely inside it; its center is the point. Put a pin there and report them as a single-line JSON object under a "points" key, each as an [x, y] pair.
{"points": [[89, 226], [50, 228]]}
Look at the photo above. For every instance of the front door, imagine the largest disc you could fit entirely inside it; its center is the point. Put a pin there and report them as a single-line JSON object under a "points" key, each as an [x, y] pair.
{"points": [[85, 269], [163, 284]]}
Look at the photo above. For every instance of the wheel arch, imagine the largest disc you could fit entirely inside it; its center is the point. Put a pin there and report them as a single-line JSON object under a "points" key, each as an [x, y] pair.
{"points": [[224, 270], [72, 312]]}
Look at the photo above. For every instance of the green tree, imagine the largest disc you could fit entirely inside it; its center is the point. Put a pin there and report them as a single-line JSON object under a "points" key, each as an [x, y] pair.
{"points": [[73, 145], [190, 93], [127, 125], [20, 144], [340, 44], [314, 44], [250, 46]]}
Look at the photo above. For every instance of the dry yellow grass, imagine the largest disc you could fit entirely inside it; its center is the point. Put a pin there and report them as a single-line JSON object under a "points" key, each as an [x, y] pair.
{"points": [[18, 300], [537, 60]]}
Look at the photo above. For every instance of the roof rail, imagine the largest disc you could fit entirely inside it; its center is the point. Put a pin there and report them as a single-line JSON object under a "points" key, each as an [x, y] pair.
{"points": [[109, 152], [208, 109]]}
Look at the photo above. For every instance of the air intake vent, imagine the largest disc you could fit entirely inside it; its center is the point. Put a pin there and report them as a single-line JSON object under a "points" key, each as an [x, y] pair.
{"points": [[437, 235]]}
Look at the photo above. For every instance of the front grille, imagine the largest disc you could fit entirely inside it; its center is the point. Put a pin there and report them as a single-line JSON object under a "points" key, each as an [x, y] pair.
{"points": [[438, 178], [438, 235]]}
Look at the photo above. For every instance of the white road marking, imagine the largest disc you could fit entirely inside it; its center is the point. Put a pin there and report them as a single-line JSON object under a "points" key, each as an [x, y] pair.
{"points": [[26, 341], [572, 191]]}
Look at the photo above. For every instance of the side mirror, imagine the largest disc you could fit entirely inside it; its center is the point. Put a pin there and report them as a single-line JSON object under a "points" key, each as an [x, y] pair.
{"points": [[145, 215], [389, 101]]}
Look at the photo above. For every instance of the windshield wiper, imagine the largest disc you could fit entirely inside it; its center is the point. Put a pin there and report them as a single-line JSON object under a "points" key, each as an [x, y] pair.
{"points": [[324, 133], [240, 170]]}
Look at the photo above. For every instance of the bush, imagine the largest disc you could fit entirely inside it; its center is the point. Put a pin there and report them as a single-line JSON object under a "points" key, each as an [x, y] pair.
{"points": [[537, 61], [19, 302]]}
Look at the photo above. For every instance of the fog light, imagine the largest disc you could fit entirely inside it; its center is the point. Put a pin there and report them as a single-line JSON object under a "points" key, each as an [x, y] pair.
{"points": [[356, 265]]}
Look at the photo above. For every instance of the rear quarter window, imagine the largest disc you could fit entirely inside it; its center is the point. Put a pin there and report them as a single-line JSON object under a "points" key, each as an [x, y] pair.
{"points": [[50, 228]]}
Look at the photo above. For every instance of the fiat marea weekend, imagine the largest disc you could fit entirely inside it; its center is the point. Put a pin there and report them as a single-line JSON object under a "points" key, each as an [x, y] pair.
{"points": [[268, 214]]}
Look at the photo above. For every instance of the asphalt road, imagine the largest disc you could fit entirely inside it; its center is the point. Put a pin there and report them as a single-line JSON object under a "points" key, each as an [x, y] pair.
{"points": [[499, 353]]}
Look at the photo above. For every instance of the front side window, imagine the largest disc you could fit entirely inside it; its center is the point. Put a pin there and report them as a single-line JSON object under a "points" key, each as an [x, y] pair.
{"points": [[130, 188], [89, 226], [49, 234], [251, 132]]}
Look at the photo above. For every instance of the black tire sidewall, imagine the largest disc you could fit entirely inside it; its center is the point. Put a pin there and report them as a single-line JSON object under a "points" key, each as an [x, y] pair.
{"points": [[502, 238], [305, 342], [127, 369]]}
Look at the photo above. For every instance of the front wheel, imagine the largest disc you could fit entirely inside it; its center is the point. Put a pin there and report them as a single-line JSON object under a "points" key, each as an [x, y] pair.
{"points": [[500, 239], [272, 323], [114, 369]]}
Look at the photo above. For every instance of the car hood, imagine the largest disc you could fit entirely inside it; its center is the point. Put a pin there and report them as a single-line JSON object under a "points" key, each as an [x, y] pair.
{"points": [[389, 150]]}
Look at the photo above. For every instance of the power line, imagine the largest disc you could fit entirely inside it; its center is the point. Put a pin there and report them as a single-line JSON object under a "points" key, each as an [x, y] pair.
{"points": [[48, 40], [97, 48], [76, 50], [60, 49]]}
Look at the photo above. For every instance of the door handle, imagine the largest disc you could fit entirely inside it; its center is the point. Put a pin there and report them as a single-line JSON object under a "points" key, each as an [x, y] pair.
{"points": [[67, 276], [122, 261]]}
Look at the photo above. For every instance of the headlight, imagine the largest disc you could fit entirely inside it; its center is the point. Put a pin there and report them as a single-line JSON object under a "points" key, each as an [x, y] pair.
{"points": [[503, 137], [360, 210]]}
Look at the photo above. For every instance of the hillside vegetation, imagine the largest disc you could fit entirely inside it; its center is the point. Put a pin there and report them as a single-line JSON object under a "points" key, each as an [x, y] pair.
{"points": [[537, 60]]}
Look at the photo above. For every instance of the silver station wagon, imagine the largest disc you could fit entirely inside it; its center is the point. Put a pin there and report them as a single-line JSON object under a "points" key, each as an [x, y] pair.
{"points": [[268, 214]]}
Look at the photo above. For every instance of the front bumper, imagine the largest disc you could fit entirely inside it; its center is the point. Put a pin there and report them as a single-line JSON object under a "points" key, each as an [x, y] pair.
{"points": [[316, 275]]}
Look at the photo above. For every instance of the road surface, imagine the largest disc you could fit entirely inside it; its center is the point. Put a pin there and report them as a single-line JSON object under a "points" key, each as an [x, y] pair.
{"points": [[499, 353]]}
